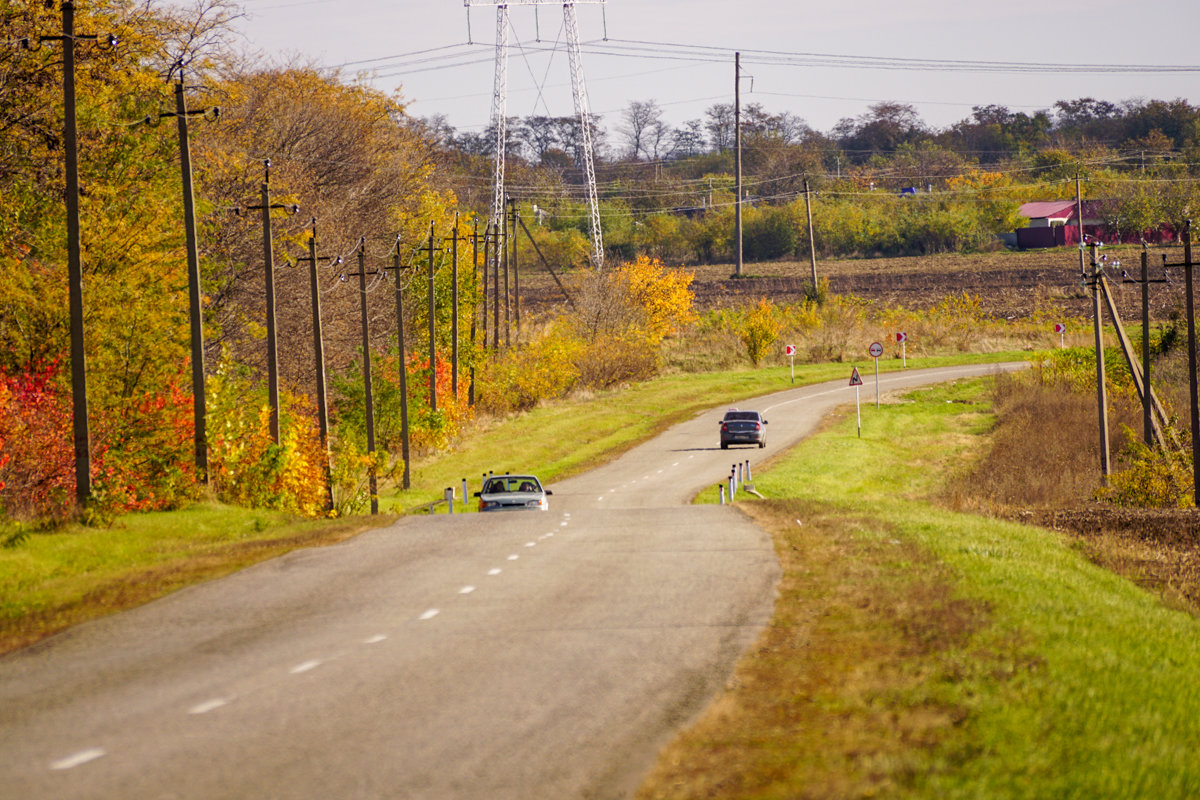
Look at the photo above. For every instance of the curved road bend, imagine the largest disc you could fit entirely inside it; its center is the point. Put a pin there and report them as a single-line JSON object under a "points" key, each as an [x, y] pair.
{"points": [[469, 656]]}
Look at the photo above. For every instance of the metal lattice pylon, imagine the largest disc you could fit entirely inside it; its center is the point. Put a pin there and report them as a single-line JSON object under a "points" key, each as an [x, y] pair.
{"points": [[578, 93]]}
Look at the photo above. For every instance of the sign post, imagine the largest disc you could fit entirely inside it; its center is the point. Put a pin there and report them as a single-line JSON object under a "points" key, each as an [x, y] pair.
{"points": [[790, 351], [876, 350], [1060, 329], [856, 381], [902, 338]]}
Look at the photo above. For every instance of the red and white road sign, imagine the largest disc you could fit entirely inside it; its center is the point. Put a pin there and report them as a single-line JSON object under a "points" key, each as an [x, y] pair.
{"points": [[789, 349], [855, 378], [876, 349], [1060, 328], [901, 337]]}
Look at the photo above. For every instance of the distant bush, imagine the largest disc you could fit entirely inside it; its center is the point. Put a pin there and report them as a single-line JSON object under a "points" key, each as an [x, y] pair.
{"points": [[768, 233], [1151, 478], [760, 329]]}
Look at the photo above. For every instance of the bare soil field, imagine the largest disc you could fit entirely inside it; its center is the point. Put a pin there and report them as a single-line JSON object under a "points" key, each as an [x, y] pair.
{"points": [[1010, 285]]}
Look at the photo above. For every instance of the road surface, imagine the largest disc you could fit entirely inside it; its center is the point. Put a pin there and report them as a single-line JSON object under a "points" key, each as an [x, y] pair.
{"points": [[526, 655]]}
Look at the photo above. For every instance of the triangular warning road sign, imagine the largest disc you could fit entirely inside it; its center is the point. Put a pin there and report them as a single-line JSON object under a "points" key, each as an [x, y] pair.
{"points": [[855, 378]]}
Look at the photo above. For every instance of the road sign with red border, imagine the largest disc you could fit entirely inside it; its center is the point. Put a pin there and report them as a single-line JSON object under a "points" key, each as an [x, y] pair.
{"points": [[1060, 327], [901, 337], [876, 349], [855, 378]]}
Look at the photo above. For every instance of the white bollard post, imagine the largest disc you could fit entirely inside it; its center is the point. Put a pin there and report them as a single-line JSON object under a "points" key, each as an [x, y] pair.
{"points": [[449, 495], [721, 490], [464, 488], [748, 478]]}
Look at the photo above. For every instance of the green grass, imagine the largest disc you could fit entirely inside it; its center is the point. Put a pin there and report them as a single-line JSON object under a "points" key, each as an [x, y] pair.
{"points": [[991, 659], [565, 438], [53, 579]]}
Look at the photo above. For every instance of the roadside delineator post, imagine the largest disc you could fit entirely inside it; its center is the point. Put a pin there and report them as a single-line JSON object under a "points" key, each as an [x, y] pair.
{"points": [[449, 495], [721, 492]]}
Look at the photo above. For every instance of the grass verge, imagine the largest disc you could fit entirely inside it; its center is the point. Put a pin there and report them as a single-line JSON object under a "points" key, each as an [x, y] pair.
{"points": [[59, 578], [920, 652]]}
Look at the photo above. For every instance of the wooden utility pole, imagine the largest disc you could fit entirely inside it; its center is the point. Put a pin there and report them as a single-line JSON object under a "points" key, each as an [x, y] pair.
{"points": [[195, 317], [1079, 221], [432, 331], [1191, 323], [81, 434], [474, 297], [454, 309], [79, 407], [1147, 405], [269, 269], [1101, 391], [516, 273], [498, 251], [487, 265], [507, 292], [319, 361], [737, 161], [812, 246], [367, 385], [406, 480]]}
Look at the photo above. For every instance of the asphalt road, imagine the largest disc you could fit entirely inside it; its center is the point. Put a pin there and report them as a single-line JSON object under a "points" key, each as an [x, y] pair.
{"points": [[527, 655]]}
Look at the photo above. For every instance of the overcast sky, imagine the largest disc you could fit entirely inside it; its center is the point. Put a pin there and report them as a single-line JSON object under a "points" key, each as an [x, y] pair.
{"points": [[456, 80]]}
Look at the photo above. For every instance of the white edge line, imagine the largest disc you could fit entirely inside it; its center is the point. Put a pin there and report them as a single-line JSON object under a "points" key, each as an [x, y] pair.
{"points": [[78, 759]]}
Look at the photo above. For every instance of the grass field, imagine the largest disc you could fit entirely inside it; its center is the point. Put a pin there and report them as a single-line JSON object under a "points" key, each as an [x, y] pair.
{"points": [[919, 652]]}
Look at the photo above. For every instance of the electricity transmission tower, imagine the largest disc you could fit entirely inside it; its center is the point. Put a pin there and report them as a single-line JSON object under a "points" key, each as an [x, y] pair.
{"points": [[579, 95]]}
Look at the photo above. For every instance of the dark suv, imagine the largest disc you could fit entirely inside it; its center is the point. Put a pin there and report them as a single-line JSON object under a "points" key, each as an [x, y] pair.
{"points": [[743, 427]]}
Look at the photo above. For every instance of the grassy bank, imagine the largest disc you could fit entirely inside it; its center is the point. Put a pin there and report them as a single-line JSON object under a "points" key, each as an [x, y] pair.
{"points": [[918, 652]]}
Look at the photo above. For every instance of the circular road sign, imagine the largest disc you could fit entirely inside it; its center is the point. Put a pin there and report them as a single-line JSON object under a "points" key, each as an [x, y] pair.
{"points": [[876, 349]]}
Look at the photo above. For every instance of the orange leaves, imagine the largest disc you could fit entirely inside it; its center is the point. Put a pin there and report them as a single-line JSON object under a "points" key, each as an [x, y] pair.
{"points": [[36, 459]]}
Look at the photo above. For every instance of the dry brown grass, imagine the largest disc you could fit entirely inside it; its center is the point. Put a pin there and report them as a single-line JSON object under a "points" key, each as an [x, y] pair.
{"points": [[834, 702], [1043, 467]]}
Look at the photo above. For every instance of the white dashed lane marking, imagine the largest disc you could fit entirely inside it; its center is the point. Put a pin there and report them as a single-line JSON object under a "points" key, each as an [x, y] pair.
{"points": [[513, 557], [494, 571], [305, 666], [376, 639], [430, 614], [208, 705], [466, 590], [79, 759]]}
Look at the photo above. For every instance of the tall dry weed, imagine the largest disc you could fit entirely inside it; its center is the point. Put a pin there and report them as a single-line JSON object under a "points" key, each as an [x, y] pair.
{"points": [[1045, 447]]}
